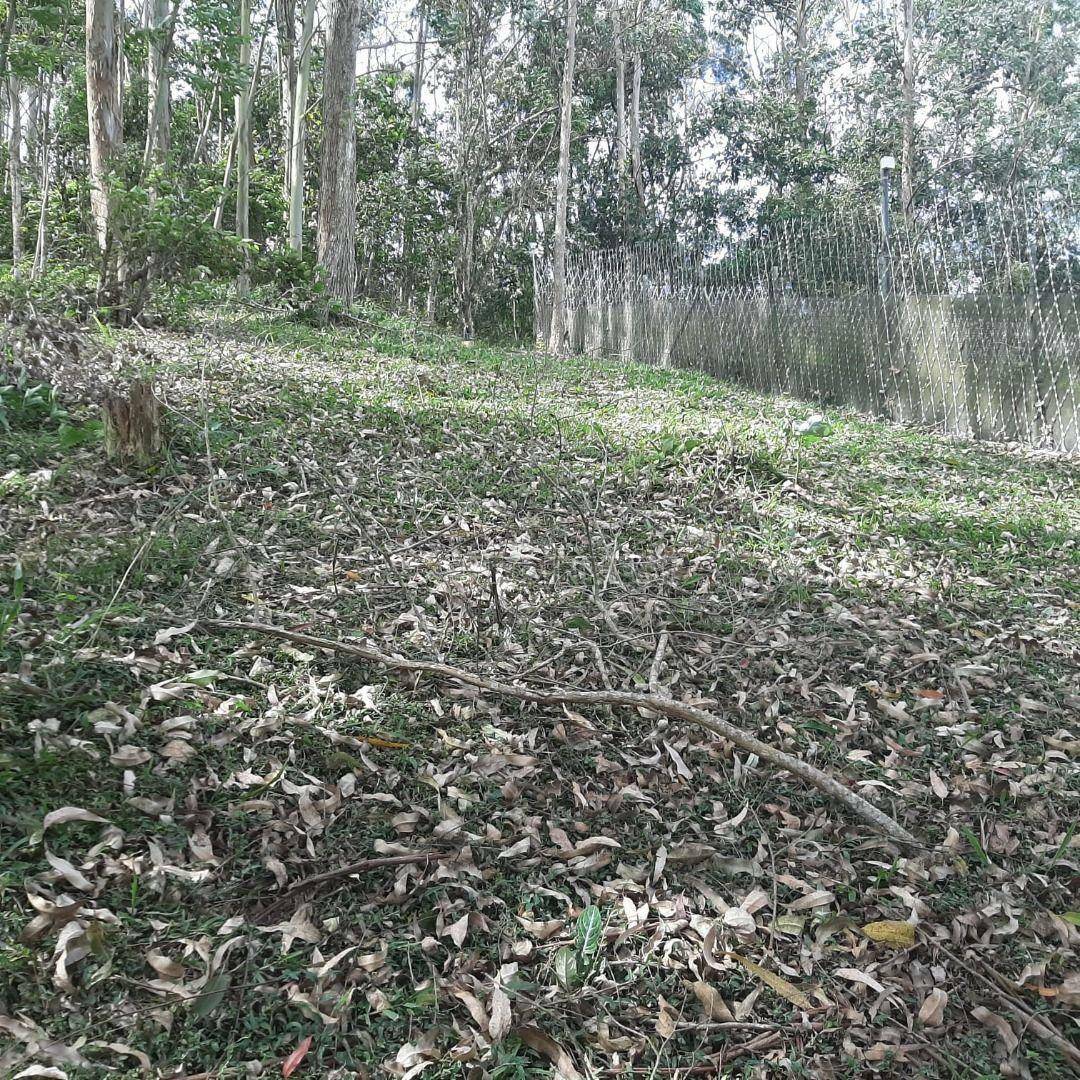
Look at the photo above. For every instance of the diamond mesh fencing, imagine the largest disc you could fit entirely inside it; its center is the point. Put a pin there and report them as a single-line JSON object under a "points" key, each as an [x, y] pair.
{"points": [[965, 320]]}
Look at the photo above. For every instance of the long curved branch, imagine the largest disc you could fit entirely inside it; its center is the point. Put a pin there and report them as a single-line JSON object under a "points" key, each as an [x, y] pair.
{"points": [[654, 703]]}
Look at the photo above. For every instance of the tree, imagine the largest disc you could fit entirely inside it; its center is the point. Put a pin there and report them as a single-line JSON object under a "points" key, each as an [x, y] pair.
{"points": [[15, 168], [907, 137], [557, 342], [106, 132], [243, 146], [336, 232], [159, 24], [296, 142]]}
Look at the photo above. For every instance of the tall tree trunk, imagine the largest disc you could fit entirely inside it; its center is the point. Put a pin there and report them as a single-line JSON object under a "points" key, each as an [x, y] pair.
{"points": [[199, 154], [299, 110], [15, 138], [103, 114], [907, 140], [470, 118], [418, 69], [160, 23], [415, 101], [41, 247], [557, 342], [620, 114], [800, 50], [635, 115], [243, 148], [336, 232], [285, 21]]}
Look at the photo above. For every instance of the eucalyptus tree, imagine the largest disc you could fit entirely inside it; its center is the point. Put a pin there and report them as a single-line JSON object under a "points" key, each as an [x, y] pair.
{"points": [[336, 231]]}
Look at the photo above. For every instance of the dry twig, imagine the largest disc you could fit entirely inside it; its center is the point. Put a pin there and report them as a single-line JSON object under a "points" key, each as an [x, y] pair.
{"points": [[653, 703]]}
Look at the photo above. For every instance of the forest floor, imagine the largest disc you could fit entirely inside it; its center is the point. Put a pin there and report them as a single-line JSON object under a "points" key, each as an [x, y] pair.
{"points": [[613, 895]]}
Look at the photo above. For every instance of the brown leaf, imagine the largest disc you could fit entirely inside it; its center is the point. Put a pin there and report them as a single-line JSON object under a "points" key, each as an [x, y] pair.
{"points": [[711, 1002], [856, 976], [543, 1044], [941, 789], [501, 1017], [932, 1012], [999, 1024], [775, 982], [900, 935], [292, 1062], [76, 878], [666, 1020], [69, 813]]}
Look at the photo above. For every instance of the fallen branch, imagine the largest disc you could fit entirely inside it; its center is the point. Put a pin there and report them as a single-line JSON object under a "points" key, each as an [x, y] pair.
{"points": [[367, 864], [1006, 989], [653, 703]]}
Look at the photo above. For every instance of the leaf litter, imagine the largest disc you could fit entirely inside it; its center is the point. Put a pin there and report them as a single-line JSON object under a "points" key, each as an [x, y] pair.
{"points": [[602, 892]]}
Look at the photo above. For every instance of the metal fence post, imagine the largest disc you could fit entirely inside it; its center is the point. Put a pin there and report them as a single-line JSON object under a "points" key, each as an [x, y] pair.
{"points": [[887, 366]]}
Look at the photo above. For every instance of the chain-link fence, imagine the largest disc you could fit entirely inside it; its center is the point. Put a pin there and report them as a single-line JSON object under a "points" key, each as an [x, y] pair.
{"points": [[966, 319]]}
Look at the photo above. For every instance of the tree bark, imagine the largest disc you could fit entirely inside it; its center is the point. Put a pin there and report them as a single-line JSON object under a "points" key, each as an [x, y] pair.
{"points": [[133, 425], [299, 110], [557, 342], [242, 104], [160, 23], [15, 169], [620, 115], [415, 102], [800, 50], [418, 70], [907, 141], [41, 247], [285, 22], [635, 116], [103, 113], [336, 228]]}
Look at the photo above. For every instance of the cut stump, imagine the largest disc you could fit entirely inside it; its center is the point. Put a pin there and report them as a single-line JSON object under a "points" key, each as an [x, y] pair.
{"points": [[133, 425]]}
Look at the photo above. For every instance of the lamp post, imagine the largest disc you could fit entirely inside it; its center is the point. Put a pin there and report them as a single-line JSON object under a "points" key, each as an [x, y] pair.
{"points": [[888, 165]]}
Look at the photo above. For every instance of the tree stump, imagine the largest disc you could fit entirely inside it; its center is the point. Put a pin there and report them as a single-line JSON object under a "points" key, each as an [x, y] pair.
{"points": [[133, 425]]}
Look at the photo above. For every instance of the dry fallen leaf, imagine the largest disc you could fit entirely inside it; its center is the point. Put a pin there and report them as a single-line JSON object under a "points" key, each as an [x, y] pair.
{"points": [[292, 1062], [536, 1039], [501, 1017], [999, 1024], [856, 976], [900, 935], [69, 813], [712, 1002], [666, 1019], [933, 1007], [775, 982]]}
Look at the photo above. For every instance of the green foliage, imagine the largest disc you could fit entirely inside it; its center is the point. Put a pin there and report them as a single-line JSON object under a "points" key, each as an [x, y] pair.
{"points": [[574, 966]]}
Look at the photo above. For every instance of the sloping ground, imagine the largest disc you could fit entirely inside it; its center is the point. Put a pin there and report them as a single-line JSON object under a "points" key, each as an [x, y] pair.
{"points": [[612, 894]]}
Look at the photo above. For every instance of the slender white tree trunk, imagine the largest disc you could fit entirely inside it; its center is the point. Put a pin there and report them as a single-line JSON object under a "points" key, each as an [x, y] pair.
{"points": [[243, 148], [15, 139], [159, 21], [336, 229], [285, 22], [907, 140], [418, 70], [103, 99], [557, 342], [620, 99], [41, 247], [299, 111]]}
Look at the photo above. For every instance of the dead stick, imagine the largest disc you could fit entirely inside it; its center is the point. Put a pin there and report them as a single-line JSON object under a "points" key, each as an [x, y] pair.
{"points": [[364, 865], [1004, 987], [653, 703]]}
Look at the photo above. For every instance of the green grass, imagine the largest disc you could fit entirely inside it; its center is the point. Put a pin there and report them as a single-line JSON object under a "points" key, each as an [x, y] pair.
{"points": [[351, 495]]}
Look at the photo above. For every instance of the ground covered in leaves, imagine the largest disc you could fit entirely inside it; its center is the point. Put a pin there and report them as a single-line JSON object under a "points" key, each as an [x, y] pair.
{"points": [[607, 894]]}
